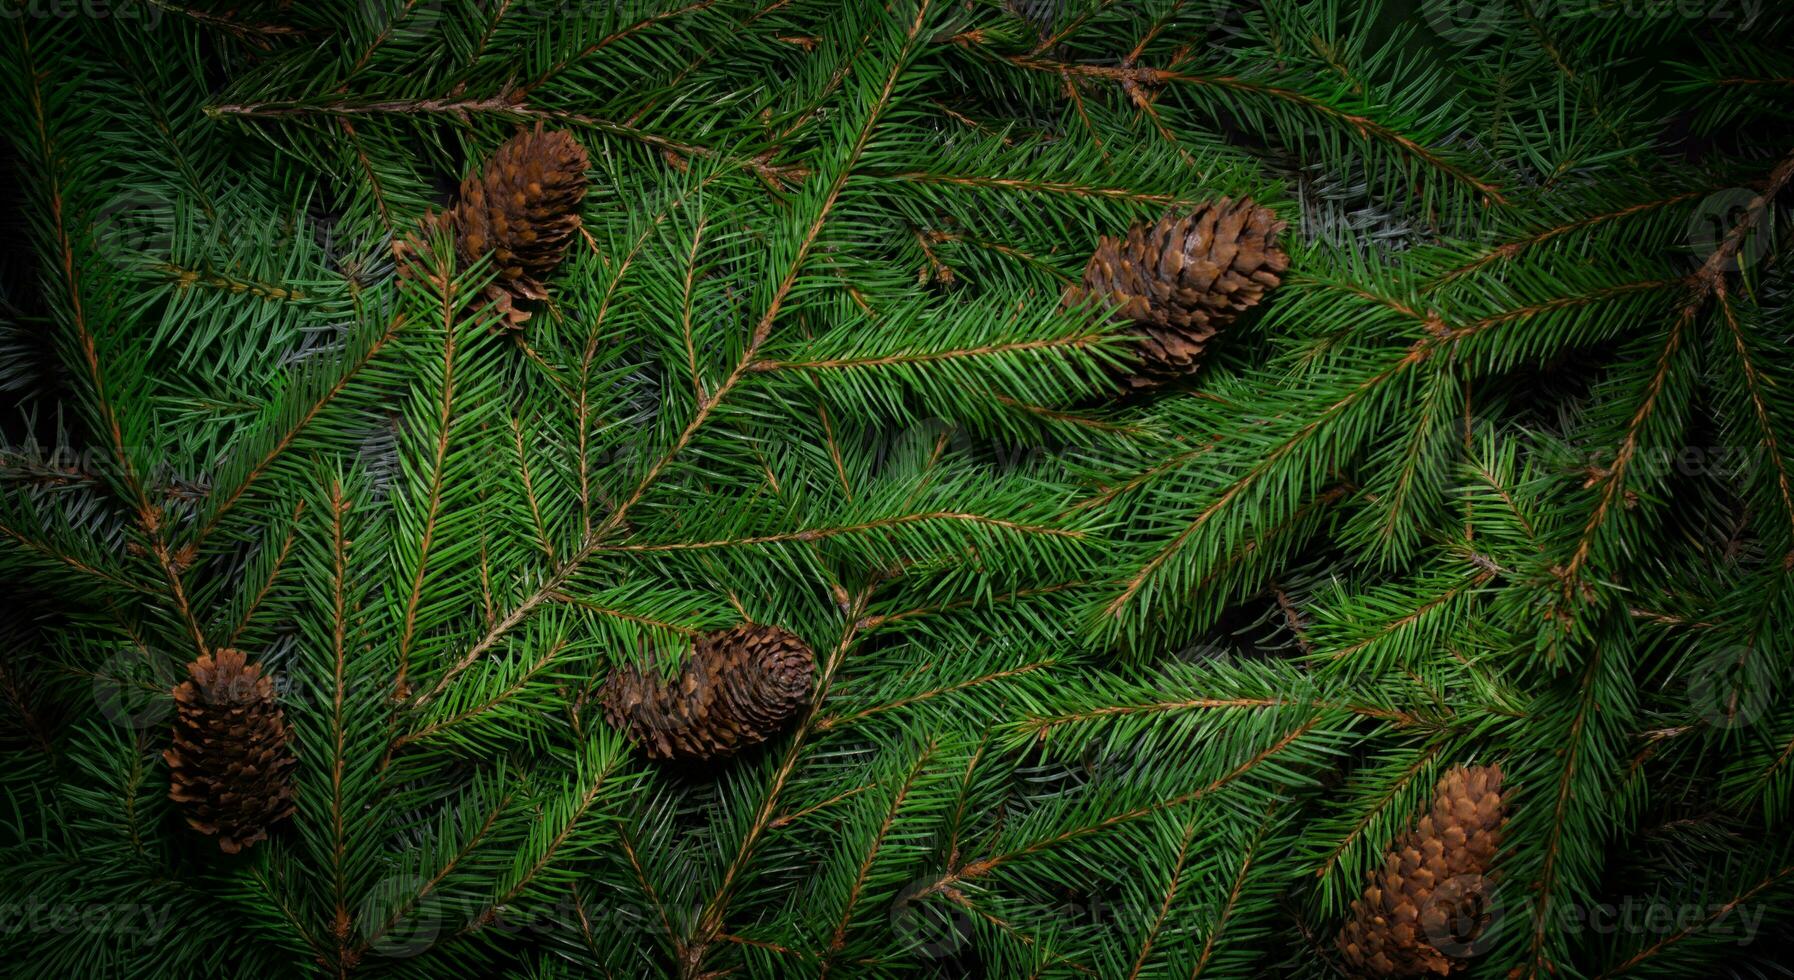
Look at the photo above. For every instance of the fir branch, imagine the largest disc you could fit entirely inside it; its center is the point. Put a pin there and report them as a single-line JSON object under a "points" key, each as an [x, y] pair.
{"points": [[984, 866], [1719, 911], [620, 34], [762, 330], [1362, 124], [1706, 283]]}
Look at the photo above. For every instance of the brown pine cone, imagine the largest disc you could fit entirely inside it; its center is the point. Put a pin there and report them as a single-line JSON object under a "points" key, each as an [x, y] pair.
{"points": [[1182, 279], [1429, 903], [523, 210], [230, 767], [737, 688]]}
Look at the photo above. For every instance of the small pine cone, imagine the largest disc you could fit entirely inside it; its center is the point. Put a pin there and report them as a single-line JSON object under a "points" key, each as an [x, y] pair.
{"points": [[1183, 279], [738, 687], [523, 210], [230, 767], [1428, 904]]}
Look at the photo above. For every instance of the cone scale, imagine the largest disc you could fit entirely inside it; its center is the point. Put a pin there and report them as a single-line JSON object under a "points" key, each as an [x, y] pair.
{"points": [[737, 688], [1182, 280], [230, 768], [521, 209], [1427, 905]]}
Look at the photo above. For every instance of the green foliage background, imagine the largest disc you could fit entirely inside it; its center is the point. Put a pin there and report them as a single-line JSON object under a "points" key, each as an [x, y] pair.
{"points": [[1105, 688]]}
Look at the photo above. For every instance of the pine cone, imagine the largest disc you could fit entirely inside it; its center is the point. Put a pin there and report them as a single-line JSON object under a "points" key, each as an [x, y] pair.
{"points": [[1429, 902], [1182, 279], [229, 766], [523, 210], [737, 688]]}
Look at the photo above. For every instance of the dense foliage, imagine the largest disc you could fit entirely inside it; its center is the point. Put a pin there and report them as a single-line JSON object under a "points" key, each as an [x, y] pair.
{"points": [[1105, 686]]}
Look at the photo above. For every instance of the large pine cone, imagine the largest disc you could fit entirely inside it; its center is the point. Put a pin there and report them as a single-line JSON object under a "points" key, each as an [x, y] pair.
{"points": [[1426, 907], [230, 767], [523, 210], [1182, 279], [737, 689]]}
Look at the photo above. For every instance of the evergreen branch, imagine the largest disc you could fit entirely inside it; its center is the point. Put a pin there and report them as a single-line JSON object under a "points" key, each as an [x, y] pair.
{"points": [[1705, 283], [641, 878], [1553, 843], [529, 489], [1363, 824], [375, 187], [838, 940], [148, 515], [1038, 726], [1076, 189], [261, 592], [871, 623], [593, 334], [261, 35], [1611, 479], [344, 109], [984, 866], [1754, 386], [1234, 890], [762, 330], [448, 309], [1419, 612], [603, 610], [1363, 125], [609, 39], [823, 533], [582, 804], [710, 917], [1514, 247], [186, 278], [1718, 912], [435, 880], [833, 721], [685, 310], [938, 237], [1010, 929], [1415, 354], [339, 837], [284, 440], [786, 819], [1072, 26], [497, 700], [1078, 341], [32, 544], [1167, 465], [1164, 910], [288, 915], [63, 243]]}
